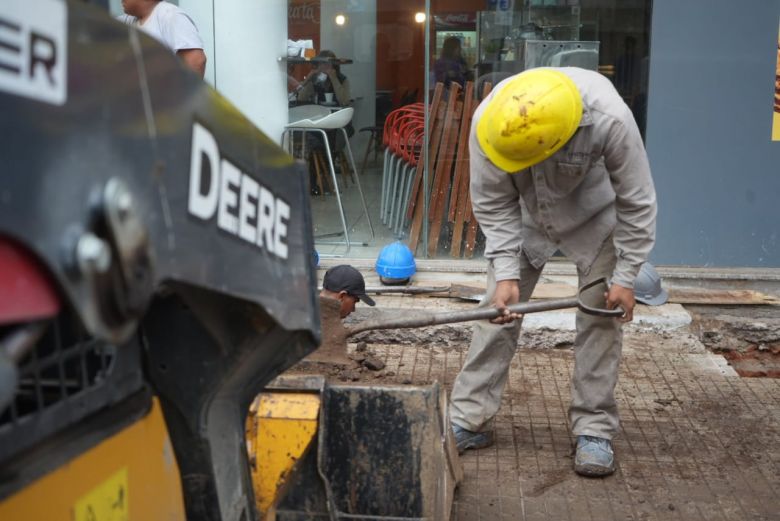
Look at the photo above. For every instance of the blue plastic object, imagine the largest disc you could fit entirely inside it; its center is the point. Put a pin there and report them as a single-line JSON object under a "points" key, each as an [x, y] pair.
{"points": [[316, 259], [395, 263]]}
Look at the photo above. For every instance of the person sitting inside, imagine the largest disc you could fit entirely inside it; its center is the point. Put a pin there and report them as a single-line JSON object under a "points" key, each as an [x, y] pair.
{"points": [[325, 78], [323, 82]]}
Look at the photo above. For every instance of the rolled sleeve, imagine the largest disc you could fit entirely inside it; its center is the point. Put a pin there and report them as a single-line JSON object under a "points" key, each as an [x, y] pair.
{"points": [[635, 199]]}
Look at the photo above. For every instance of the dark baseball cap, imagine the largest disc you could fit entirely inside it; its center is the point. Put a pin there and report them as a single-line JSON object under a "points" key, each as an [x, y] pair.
{"points": [[346, 278]]}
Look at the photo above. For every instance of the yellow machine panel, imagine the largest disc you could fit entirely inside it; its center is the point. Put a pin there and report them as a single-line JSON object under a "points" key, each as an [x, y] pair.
{"points": [[280, 428], [106, 501], [132, 475]]}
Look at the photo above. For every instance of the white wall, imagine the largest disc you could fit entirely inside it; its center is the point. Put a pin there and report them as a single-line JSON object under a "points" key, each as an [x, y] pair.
{"points": [[115, 7], [243, 40], [709, 128]]}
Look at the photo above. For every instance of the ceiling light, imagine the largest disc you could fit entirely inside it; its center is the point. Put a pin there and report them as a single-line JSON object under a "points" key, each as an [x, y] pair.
{"points": [[419, 17], [341, 19]]}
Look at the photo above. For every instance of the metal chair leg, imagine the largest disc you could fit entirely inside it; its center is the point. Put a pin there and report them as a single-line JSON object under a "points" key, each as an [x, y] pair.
{"points": [[385, 166], [351, 160], [369, 145], [391, 169], [404, 198], [393, 188], [336, 188], [400, 168], [396, 194]]}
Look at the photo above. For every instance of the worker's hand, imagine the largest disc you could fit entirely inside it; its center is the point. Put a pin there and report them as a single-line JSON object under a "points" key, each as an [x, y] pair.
{"points": [[618, 296], [507, 293]]}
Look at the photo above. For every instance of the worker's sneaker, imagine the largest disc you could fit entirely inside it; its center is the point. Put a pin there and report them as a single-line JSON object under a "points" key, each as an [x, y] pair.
{"points": [[465, 439], [594, 457]]}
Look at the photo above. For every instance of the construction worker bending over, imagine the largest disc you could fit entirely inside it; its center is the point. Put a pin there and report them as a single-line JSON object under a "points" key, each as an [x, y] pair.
{"points": [[557, 163]]}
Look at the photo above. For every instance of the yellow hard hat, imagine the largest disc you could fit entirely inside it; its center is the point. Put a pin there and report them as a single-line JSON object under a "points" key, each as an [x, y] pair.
{"points": [[529, 119]]}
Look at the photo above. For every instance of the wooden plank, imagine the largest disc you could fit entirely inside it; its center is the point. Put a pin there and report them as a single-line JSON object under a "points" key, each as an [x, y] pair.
{"points": [[471, 238], [438, 92], [446, 147], [462, 190], [460, 220], [689, 296], [721, 297], [471, 234], [487, 87], [416, 228], [418, 210], [462, 149], [443, 177], [543, 290], [417, 199]]}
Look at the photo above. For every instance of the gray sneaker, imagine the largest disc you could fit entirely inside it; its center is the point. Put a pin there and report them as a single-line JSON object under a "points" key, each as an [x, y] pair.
{"points": [[465, 439], [594, 457]]}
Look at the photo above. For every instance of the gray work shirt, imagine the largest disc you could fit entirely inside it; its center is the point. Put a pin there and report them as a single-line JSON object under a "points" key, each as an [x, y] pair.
{"points": [[595, 187]]}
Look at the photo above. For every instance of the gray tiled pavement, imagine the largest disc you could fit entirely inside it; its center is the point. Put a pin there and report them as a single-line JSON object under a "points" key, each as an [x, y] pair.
{"points": [[695, 443]]}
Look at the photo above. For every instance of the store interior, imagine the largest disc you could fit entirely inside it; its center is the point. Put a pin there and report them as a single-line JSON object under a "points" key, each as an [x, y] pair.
{"points": [[384, 56]]}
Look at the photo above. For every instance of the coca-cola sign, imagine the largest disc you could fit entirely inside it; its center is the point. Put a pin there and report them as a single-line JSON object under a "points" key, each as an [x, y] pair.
{"points": [[466, 20]]}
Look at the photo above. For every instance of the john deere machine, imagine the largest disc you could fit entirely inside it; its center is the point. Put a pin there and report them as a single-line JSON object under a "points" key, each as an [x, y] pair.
{"points": [[156, 274]]}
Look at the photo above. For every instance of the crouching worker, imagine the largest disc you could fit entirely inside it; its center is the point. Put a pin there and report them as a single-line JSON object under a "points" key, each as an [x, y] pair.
{"points": [[557, 163], [345, 285], [342, 287]]}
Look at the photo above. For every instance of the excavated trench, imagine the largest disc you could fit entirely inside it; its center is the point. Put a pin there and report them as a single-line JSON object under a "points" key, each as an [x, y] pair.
{"points": [[447, 336], [748, 337]]}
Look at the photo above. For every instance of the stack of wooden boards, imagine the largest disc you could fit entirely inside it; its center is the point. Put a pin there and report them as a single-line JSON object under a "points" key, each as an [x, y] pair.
{"points": [[448, 178]]}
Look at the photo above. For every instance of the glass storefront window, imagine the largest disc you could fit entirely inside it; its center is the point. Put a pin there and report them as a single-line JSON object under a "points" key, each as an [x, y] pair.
{"points": [[409, 74], [380, 52]]}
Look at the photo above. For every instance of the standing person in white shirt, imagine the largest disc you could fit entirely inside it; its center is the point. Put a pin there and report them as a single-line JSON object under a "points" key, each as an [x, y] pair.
{"points": [[171, 26]]}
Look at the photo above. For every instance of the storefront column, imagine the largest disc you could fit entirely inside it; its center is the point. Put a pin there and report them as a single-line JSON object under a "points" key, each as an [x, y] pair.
{"points": [[247, 37]]}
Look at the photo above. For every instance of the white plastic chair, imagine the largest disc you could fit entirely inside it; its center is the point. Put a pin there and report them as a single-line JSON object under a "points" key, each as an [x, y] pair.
{"points": [[315, 118], [300, 114]]}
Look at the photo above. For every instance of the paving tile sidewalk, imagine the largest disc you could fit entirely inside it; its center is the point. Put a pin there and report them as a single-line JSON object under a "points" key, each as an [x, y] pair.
{"points": [[697, 441]]}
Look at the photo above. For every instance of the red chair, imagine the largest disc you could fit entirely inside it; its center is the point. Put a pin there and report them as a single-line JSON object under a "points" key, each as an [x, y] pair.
{"points": [[403, 137]]}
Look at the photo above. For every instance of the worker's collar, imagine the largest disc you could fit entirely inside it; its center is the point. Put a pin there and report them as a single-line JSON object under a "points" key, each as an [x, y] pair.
{"points": [[585, 120]]}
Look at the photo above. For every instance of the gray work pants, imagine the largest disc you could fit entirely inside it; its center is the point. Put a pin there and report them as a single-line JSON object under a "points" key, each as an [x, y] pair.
{"points": [[476, 394]]}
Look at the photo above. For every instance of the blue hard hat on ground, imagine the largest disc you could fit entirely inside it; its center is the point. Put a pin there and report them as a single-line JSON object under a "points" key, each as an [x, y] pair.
{"points": [[395, 263]]}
